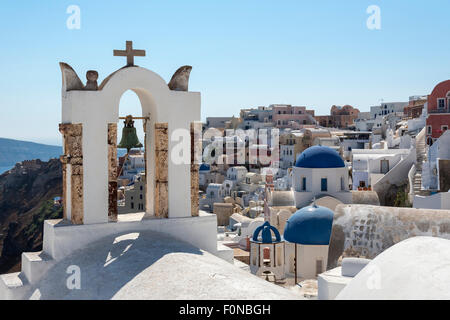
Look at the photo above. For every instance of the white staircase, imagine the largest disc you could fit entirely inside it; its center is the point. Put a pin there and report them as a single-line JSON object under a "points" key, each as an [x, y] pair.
{"points": [[421, 154]]}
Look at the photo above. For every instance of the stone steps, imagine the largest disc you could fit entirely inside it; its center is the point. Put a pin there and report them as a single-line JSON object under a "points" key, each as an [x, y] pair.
{"points": [[417, 182], [12, 286], [417, 186], [34, 266]]}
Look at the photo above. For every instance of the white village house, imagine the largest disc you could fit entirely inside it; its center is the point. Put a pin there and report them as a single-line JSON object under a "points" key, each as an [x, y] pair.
{"points": [[370, 165]]}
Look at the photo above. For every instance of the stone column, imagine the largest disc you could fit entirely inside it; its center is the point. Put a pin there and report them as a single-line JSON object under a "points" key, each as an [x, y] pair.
{"points": [[161, 170], [196, 149], [112, 172], [73, 156], [64, 162]]}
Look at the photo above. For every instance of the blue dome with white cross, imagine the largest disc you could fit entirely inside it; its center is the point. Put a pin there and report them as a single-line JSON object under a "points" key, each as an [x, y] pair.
{"points": [[310, 226], [319, 157]]}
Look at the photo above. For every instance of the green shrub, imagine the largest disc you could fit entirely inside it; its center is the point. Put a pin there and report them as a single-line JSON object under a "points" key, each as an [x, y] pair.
{"points": [[47, 211]]}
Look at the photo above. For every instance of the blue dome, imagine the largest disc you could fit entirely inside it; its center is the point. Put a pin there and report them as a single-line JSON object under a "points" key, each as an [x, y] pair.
{"points": [[204, 167], [319, 157], [310, 226], [266, 235]]}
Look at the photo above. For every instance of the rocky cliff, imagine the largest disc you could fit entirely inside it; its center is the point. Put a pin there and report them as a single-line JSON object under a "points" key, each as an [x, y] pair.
{"points": [[26, 200]]}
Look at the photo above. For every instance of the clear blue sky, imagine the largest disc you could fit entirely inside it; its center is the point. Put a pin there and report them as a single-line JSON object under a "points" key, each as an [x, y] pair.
{"points": [[244, 53]]}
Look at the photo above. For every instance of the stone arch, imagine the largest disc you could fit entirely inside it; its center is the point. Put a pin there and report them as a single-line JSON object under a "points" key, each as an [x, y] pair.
{"points": [[153, 94]]}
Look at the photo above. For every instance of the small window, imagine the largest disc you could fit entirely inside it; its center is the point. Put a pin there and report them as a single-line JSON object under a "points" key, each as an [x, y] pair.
{"points": [[444, 127], [441, 103], [304, 183], [384, 166], [428, 129], [132, 205]]}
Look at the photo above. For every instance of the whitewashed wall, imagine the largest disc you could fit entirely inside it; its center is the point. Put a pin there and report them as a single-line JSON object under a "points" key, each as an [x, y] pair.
{"points": [[439, 200]]}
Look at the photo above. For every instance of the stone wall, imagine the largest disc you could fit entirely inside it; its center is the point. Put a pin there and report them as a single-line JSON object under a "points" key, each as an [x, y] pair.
{"points": [[223, 211], [444, 175], [161, 170], [72, 163], [365, 197], [366, 231], [112, 172], [196, 152]]}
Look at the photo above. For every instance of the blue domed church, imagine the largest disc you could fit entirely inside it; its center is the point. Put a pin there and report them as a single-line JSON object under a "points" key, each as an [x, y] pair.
{"points": [[307, 234], [320, 171], [267, 252]]}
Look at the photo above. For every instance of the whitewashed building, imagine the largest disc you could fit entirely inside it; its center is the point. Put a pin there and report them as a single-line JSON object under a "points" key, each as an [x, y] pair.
{"points": [[237, 173], [287, 156], [439, 150], [370, 165], [214, 193], [133, 166], [319, 171], [432, 169]]}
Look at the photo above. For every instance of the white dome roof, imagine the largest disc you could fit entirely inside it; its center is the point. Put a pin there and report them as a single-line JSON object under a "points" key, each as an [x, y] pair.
{"points": [[154, 266], [416, 268]]}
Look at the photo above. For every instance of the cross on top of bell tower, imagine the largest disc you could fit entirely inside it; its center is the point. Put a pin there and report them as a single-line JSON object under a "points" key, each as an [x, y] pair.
{"points": [[130, 53]]}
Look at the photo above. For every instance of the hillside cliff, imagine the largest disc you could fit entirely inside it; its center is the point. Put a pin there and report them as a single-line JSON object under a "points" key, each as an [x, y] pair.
{"points": [[26, 200]]}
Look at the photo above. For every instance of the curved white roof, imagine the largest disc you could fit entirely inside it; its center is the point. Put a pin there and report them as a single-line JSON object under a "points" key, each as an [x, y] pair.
{"points": [[150, 265], [416, 268]]}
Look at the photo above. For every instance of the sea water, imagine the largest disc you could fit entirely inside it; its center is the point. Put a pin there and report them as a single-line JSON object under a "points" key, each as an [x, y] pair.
{"points": [[4, 169]]}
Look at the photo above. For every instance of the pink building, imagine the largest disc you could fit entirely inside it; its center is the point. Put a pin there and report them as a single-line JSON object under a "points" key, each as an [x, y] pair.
{"points": [[284, 114], [438, 104]]}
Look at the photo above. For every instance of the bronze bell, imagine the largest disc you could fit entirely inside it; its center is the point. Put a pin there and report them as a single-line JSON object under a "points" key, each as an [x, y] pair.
{"points": [[129, 137]]}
